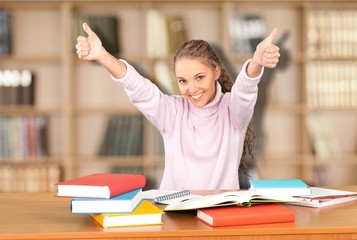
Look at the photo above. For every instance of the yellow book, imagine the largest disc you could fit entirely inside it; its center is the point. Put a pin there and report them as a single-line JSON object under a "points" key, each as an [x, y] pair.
{"points": [[145, 213]]}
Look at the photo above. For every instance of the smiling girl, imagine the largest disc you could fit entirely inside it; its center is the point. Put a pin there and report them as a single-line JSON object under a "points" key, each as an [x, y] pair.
{"points": [[205, 128]]}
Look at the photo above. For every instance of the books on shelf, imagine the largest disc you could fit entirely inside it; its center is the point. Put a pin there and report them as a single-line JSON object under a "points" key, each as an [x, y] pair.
{"points": [[123, 136], [338, 25], [123, 203], [100, 185], [165, 33], [5, 32], [145, 213], [242, 197], [23, 137], [105, 26], [323, 197], [17, 87], [331, 84], [238, 215], [29, 177], [292, 187], [246, 32], [127, 169]]}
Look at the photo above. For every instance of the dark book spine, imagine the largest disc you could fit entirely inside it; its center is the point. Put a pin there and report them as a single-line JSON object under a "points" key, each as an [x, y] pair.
{"points": [[26, 88], [5, 32], [106, 27]]}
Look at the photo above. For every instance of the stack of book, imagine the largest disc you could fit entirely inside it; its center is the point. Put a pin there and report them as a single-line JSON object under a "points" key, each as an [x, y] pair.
{"points": [[232, 208], [305, 195], [112, 200]]}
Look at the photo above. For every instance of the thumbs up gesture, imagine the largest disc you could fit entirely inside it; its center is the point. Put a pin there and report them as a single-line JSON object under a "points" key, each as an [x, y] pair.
{"points": [[267, 54], [89, 48]]}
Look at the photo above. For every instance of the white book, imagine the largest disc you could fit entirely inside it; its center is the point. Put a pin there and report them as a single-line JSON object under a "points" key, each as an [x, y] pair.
{"points": [[322, 197]]}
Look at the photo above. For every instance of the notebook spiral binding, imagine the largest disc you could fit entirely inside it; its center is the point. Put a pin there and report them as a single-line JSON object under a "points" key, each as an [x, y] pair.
{"points": [[172, 196]]}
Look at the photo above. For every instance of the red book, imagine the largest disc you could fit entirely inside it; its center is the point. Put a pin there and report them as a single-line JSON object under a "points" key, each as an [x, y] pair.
{"points": [[100, 185], [238, 215]]}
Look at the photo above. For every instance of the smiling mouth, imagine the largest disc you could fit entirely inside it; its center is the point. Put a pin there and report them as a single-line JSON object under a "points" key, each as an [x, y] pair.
{"points": [[197, 96]]}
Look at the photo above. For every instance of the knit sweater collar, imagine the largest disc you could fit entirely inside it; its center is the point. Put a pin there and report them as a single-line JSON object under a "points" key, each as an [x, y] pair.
{"points": [[211, 108]]}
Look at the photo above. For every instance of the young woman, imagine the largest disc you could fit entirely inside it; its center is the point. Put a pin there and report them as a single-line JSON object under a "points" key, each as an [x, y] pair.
{"points": [[204, 129]]}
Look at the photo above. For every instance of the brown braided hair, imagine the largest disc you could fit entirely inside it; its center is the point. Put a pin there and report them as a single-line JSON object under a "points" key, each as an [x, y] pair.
{"points": [[201, 49]]}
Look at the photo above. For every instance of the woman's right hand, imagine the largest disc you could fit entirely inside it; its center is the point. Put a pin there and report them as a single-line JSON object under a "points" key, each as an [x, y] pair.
{"points": [[89, 48]]}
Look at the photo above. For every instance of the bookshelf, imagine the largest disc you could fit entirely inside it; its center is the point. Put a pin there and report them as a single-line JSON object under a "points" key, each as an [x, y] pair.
{"points": [[79, 97], [330, 89]]}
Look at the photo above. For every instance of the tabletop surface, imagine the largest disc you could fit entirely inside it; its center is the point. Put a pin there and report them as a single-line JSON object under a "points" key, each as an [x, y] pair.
{"points": [[43, 215]]}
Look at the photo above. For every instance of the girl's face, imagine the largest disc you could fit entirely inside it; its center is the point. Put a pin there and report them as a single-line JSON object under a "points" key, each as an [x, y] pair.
{"points": [[196, 81]]}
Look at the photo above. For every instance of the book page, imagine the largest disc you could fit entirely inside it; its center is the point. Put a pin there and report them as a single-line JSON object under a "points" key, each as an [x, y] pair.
{"points": [[227, 198]]}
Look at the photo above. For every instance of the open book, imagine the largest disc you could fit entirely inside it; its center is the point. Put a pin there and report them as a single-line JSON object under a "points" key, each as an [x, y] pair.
{"points": [[243, 198]]}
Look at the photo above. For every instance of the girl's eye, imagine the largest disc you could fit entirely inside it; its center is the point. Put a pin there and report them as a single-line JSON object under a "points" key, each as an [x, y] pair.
{"points": [[200, 77], [181, 81]]}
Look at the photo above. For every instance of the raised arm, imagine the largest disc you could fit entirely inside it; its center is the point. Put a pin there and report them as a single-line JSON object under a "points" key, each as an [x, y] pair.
{"points": [[91, 49], [266, 55]]}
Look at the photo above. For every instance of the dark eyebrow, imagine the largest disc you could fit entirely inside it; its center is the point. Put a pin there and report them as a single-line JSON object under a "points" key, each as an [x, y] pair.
{"points": [[198, 74]]}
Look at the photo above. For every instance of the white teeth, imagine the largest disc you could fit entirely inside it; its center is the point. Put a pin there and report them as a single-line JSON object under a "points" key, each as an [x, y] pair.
{"points": [[197, 96]]}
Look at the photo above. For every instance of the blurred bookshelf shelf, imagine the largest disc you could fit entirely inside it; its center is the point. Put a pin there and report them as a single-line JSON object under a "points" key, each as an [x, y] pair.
{"points": [[18, 59], [126, 110], [29, 110]]}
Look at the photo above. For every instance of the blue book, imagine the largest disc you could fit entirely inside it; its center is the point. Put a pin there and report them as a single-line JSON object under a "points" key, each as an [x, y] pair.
{"points": [[124, 203], [293, 187]]}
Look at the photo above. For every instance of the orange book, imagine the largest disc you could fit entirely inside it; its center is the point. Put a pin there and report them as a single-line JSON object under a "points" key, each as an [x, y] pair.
{"points": [[145, 213], [100, 185], [238, 215]]}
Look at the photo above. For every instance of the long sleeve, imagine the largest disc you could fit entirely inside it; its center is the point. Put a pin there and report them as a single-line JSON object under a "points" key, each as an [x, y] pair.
{"points": [[158, 108], [243, 98]]}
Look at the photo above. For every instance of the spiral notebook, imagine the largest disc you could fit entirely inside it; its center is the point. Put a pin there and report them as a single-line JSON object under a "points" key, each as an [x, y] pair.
{"points": [[174, 197]]}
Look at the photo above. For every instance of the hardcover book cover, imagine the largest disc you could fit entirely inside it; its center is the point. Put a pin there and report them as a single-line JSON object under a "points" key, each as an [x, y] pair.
{"points": [[100, 185], [238, 215], [293, 187], [145, 214], [123, 203]]}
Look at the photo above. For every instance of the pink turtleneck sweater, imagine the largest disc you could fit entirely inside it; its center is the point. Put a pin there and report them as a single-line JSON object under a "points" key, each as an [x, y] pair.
{"points": [[203, 146]]}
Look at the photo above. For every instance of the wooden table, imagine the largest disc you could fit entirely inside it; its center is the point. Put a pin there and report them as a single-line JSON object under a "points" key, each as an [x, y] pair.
{"points": [[44, 216]]}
